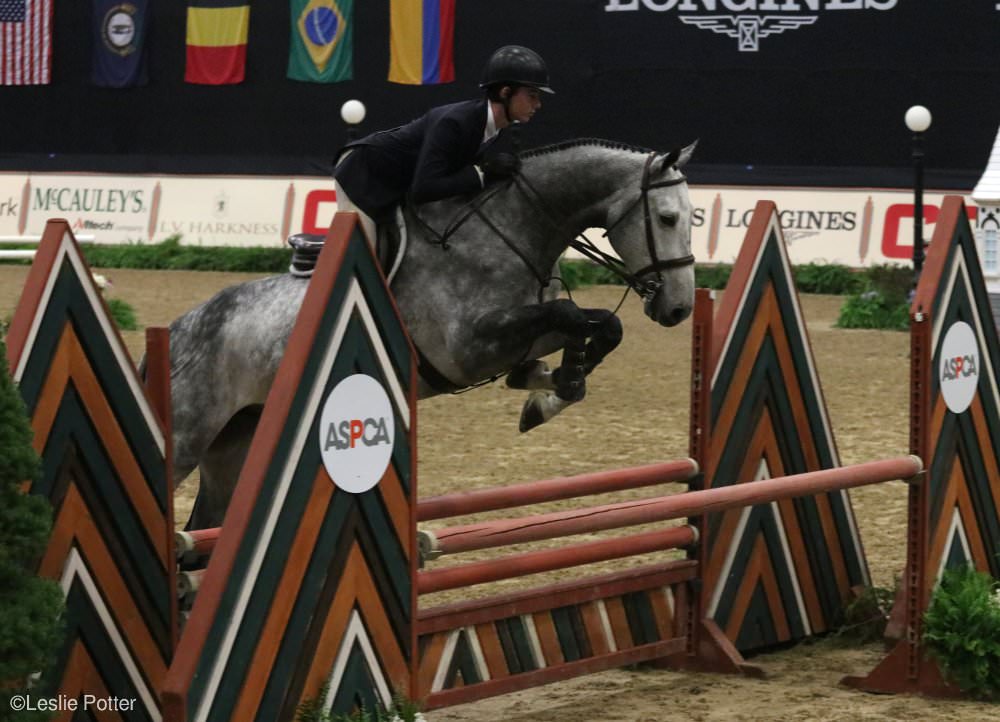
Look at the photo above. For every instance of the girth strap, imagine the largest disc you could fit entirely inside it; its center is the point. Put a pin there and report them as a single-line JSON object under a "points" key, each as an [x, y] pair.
{"points": [[434, 378]]}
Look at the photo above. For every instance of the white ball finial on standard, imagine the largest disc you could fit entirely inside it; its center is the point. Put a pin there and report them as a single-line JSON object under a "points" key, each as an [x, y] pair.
{"points": [[918, 119], [353, 112]]}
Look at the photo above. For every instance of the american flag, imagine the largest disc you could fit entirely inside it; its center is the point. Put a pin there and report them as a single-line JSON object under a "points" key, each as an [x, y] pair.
{"points": [[25, 42]]}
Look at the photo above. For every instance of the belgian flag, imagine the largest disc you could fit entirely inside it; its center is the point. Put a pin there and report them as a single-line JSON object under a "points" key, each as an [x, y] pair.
{"points": [[217, 41]]}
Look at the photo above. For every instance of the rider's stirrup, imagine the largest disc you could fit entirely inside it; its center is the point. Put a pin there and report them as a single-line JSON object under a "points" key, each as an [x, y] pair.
{"points": [[305, 252]]}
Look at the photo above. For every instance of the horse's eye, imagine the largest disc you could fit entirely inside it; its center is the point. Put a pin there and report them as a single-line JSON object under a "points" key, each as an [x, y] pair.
{"points": [[668, 219]]}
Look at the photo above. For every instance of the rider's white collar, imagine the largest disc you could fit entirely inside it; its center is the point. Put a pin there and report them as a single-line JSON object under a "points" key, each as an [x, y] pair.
{"points": [[491, 123]]}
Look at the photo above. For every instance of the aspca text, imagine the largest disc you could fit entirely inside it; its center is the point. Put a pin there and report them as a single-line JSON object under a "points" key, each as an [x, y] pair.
{"points": [[347, 433], [958, 367]]}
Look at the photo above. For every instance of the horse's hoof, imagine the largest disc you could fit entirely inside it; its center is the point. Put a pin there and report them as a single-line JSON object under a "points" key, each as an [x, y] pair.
{"points": [[531, 415], [539, 408], [530, 375]]}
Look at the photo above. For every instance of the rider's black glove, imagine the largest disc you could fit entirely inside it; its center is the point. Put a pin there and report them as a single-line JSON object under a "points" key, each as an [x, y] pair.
{"points": [[500, 166]]}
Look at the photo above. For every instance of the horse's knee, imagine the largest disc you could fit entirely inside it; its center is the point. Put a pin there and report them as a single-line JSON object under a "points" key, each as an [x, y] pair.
{"points": [[610, 330], [604, 338], [568, 317]]}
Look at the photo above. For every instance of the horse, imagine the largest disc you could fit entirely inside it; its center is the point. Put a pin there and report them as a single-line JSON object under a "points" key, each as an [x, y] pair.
{"points": [[475, 289]]}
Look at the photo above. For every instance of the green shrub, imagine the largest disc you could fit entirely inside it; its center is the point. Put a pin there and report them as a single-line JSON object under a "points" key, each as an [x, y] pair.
{"points": [[577, 273], [962, 630], [716, 276], [171, 255], [890, 281], [829, 279], [123, 314], [883, 302], [865, 618], [30, 607], [872, 310]]}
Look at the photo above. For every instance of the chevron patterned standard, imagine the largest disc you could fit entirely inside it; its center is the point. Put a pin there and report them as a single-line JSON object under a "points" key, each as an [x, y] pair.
{"points": [[310, 585], [783, 571], [955, 514], [105, 459]]}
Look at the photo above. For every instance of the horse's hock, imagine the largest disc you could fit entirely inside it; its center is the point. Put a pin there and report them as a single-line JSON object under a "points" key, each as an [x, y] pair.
{"points": [[310, 585]]}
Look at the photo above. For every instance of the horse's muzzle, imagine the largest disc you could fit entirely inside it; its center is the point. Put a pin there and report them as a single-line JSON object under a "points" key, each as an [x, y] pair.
{"points": [[664, 312]]}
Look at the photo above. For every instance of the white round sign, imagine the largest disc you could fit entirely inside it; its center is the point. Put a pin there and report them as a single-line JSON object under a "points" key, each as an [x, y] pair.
{"points": [[959, 367], [356, 433]]}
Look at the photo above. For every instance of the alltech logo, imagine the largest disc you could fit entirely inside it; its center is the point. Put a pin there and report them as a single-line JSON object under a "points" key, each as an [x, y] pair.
{"points": [[356, 433], [959, 367], [737, 18]]}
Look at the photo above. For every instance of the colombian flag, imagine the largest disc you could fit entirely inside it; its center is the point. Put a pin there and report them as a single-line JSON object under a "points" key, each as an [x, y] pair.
{"points": [[421, 41], [322, 41], [217, 41]]}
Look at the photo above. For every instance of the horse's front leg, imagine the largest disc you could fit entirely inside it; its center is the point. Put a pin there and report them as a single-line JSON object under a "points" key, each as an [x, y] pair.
{"points": [[604, 330], [526, 325]]}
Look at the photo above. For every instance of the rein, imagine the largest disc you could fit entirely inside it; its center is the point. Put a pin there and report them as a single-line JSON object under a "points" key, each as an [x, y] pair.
{"points": [[646, 289]]}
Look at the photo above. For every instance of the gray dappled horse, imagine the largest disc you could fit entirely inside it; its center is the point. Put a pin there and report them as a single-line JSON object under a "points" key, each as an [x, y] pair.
{"points": [[474, 292]]}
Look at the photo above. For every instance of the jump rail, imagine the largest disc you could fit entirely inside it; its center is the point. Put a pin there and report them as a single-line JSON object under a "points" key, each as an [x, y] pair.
{"points": [[519, 565], [567, 487], [506, 532]]}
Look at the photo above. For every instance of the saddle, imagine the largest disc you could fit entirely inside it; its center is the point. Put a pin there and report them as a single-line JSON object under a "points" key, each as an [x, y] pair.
{"points": [[306, 248]]}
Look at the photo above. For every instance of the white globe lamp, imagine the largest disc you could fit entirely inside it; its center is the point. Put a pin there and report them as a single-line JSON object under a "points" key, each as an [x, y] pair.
{"points": [[353, 112], [918, 119]]}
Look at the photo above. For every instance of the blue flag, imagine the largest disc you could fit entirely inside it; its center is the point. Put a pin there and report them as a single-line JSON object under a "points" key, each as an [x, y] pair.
{"points": [[119, 58]]}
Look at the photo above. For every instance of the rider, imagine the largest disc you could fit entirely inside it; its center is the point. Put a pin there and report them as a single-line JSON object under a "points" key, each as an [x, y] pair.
{"points": [[445, 152]]}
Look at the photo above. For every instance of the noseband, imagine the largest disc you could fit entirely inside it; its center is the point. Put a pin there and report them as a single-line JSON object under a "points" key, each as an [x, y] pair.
{"points": [[648, 289]]}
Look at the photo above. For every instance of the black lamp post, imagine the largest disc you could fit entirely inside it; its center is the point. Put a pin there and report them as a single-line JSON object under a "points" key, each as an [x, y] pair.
{"points": [[918, 120], [353, 112]]}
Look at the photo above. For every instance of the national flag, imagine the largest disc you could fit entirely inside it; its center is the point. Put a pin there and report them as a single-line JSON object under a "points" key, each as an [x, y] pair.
{"points": [[217, 41], [119, 57], [322, 42], [421, 41], [25, 42]]}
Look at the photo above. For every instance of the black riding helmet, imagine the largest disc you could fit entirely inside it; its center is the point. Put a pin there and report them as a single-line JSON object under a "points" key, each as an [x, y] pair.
{"points": [[516, 65]]}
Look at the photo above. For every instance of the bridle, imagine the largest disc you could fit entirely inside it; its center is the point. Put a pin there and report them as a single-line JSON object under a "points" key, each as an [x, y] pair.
{"points": [[646, 289], [649, 288]]}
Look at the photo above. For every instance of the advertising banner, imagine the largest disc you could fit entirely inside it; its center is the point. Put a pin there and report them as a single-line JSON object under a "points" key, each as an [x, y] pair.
{"points": [[853, 227]]}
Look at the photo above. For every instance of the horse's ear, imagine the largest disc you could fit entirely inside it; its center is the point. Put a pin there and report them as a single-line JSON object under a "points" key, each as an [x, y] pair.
{"points": [[676, 158], [669, 160], [685, 154]]}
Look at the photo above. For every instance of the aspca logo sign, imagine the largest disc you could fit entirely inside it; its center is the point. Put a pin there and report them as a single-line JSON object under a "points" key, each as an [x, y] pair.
{"points": [[959, 367], [356, 433]]}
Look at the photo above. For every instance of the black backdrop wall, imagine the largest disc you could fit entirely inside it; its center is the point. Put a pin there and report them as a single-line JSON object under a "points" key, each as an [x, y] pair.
{"points": [[820, 100]]}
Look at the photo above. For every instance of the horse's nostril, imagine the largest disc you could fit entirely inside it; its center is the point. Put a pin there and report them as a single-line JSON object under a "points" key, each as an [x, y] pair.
{"points": [[678, 314]]}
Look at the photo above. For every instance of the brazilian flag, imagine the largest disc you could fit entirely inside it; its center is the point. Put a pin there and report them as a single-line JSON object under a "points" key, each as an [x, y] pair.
{"points": [[322, 41]]}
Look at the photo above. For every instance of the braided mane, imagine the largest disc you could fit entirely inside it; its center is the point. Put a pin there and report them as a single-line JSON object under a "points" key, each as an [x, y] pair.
{"points": [[580, 142]]}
